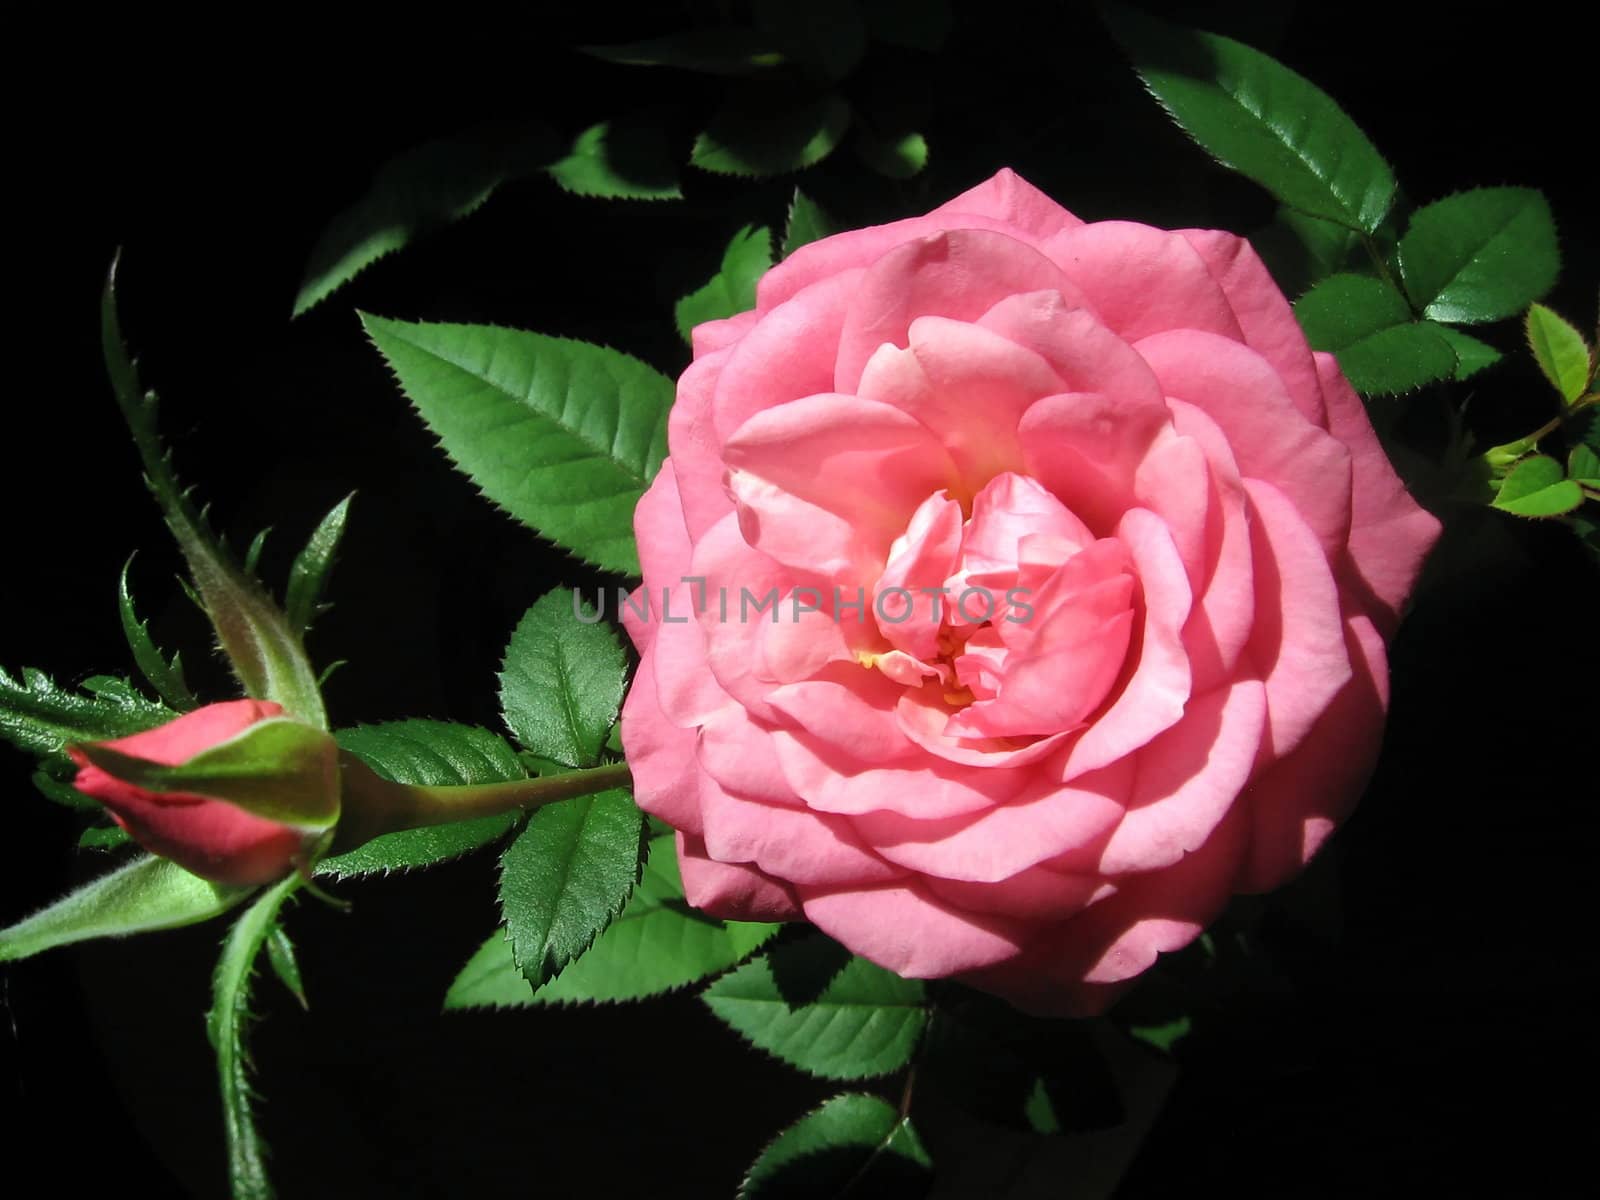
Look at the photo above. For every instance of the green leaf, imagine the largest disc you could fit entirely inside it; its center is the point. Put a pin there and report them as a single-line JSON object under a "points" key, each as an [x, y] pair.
{"points": [[1301, 251], [265, 653], [732, 290], [42, 717], [1560, 351], [895, 156], [147, 894], [281, 956], [1537, 487], [1367, 325], [567, 876], [165, 675], [54, 782], [562, 680], [853, 1144], [826, 37], [225, 1027], [819, 1009], [619, 160], [1263, 120], [414, 193], [1480, 255], [710, 51], [308, 576], [1583, 467], [563, 435], [807, 223], [432, 754], [761, 134], [656, 945], [1472, 355], [915, 24], [103, 837]]}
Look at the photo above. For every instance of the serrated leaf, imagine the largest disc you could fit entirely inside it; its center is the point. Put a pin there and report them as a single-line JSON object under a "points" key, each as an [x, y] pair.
{"points": [[561, 683], [807, 223], [853, 1144], [1583, 467], [1538, 487], [824, 37], [308, 575], [225, 1027], [1300, 251], [165, 675], [1472, 355], [1258, 117], [418, 191], [732, 290], [1479, 255], [563, 435], [1560, 351], [103, 837], [566, 876], [266, 655], [40, 716], [147, 894], [859, 1022], [895, 156], [915, 24], [619, 160], [656, 945], [1367, 325], [763, 135], [710, 51], [432, 754], [281, 956]]}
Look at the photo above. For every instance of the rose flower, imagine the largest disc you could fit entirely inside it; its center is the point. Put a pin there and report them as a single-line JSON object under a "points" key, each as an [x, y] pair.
{"points": [[1040, 578]]}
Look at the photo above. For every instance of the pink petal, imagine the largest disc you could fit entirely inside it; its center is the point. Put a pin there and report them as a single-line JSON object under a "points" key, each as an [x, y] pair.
{"points": [[1390, 535], [1297, 643], [694, 447], [1011, 199], [711, 336], [1141, 280], [1296, 803], [1032, 895], [181, 739], [1188, 778], [903, 928], [1086, 447], [731, 891], [848, 707], [1269, 437], [960, 275], [685, 688], [1063, 330], [660, 755], [920, 558]]}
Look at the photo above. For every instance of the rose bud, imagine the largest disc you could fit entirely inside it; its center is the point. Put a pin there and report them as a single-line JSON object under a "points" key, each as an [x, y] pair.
{"points": [[234, 792]]}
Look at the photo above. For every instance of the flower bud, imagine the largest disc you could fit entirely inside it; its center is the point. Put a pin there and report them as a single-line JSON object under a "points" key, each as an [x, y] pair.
{"points": [[233, 792]]}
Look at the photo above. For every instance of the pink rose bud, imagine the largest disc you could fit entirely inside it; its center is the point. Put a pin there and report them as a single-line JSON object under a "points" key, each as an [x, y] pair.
{"points": [[234, 792]]}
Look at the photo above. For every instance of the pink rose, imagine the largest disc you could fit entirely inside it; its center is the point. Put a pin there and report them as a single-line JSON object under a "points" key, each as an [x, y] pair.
{"points": [[1181, 548], [233, 792]]}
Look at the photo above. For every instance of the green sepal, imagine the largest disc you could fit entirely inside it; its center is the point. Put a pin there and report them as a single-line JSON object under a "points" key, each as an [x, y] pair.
{"points": [[265, 653], [225, 1027], [103, 837], [40, 716], [308, 575], [278, 769], [732, 290], [1538, 487], [147, 894], [817, 1007], [164, 674], [285, 965], [853, 1144]]}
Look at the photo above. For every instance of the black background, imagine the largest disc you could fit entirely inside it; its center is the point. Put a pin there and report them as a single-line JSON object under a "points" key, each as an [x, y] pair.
{"points": [[1431, 1040]]}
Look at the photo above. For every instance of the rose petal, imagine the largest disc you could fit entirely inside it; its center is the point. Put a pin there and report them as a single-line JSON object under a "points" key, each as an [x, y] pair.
{"points": [[660, 755], [905, 929], [731, 891]]}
